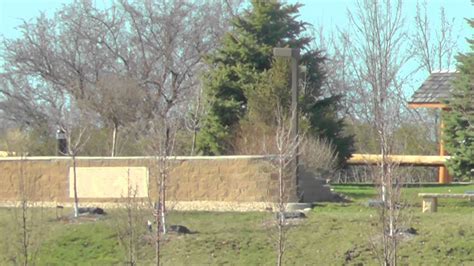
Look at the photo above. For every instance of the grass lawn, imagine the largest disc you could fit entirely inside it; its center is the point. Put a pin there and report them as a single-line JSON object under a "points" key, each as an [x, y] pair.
{"points": [[333, 234]]}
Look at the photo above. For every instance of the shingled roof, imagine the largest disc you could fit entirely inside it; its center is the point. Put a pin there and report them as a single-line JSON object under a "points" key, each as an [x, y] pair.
{"points": [[436, 88]]}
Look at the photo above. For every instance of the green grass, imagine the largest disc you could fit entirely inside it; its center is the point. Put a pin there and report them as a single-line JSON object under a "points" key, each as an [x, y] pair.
{"points": [[331, 231]]}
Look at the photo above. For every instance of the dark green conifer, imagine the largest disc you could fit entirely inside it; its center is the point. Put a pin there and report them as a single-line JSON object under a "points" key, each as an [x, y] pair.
{"points": [[459, 119], [238, 84]]}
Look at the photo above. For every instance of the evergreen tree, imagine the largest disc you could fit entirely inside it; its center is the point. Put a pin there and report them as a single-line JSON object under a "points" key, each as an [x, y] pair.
{"points": [[245, 82], [459, 119]]}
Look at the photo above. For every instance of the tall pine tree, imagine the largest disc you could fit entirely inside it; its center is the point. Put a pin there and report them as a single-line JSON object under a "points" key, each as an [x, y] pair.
{"points": [[238, 84], [459, 120]]}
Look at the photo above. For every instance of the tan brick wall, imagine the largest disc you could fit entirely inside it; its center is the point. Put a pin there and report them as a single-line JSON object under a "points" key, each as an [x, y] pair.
{"points": [[222, 179]]}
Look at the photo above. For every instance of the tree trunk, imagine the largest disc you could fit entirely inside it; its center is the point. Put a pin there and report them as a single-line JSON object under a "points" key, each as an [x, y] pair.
{"points": [[160, 208], [193, 147], [162, 197], [158, 232], [131, 232], [24, 206], [114, 140], [164, 176], [76, 200], [281, 210], [24, 215]]}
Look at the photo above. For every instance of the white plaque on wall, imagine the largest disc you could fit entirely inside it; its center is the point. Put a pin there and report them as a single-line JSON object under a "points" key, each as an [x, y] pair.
{"points": [[109, 182]]}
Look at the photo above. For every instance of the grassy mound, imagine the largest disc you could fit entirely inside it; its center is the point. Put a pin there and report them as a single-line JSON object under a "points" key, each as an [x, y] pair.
{"points": [[333, 234]]}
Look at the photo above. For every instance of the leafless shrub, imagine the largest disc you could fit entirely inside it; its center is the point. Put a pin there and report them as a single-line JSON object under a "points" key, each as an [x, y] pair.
{"points": [[318, 156], [28, 220], [132, 224]]}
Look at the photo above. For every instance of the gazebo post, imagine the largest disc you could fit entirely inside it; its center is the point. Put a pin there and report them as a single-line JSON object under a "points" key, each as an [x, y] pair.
{"points": [[443, 175]]}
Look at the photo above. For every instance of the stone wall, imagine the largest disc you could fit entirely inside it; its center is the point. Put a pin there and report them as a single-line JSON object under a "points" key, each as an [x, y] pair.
{"points": [[232, 179]]}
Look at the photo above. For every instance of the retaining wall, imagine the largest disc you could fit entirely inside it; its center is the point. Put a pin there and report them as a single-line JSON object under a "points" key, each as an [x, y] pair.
{"points": [[225, 180]]}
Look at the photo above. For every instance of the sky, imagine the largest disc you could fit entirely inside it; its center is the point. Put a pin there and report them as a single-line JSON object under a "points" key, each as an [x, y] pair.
{"points": [[316, 12], [328, 13], [331, 12]]}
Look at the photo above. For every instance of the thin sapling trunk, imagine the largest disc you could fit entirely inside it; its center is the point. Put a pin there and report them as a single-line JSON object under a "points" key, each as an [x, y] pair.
{"points": [[76, 200], [114, 140]]}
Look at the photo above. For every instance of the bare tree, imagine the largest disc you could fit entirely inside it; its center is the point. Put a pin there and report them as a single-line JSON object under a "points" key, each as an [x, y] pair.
{"points": [[117, 99], [378, 37], [287, 150], [47, 65], [27, 104], [75, 124], [194, 120], [159, 45], [56, 51], [170, 40], [434, 49]]}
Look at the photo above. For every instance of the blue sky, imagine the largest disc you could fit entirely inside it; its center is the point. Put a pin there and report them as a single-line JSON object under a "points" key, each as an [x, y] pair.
{"points": [[328, 13], [316, 12], [13, 11]]}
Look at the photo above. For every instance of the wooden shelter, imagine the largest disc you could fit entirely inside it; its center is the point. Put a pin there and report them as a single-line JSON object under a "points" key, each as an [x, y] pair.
{"points": [[431, 94]]}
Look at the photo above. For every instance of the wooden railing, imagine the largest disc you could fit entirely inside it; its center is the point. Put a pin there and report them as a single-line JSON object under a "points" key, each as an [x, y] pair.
{"points": [[403, 160]]}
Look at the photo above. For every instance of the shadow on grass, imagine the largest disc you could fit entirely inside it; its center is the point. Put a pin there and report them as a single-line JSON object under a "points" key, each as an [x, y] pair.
{"points": [[358, 195]]}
